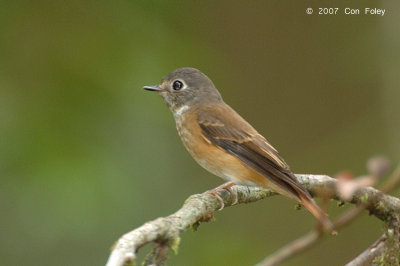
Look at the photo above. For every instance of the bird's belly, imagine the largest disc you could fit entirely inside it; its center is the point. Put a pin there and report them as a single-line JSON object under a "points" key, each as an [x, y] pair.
{"points": [[226, 166], [218, 161]]}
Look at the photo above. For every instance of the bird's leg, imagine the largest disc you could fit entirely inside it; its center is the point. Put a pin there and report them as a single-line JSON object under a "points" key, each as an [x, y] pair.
{"points": [[226, 186]]}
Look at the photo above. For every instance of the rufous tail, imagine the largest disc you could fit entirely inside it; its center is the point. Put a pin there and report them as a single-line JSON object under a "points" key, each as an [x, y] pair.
{"points": [[315, 210]]}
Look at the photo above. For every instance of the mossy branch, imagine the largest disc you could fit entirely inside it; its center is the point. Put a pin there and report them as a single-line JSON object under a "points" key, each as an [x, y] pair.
{"points": [[164, 232]]}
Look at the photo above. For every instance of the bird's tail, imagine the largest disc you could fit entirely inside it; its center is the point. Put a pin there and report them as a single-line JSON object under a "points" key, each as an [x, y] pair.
{"points": [[315, 210]]}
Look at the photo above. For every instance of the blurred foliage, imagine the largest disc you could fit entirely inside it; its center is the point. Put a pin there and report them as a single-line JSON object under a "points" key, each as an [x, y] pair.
{"points": [[86, 155]]}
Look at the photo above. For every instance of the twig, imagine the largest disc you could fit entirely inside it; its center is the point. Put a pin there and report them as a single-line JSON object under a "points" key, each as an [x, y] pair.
{"points": [[308, 240], [368, 255], [393, 181], [200, 208], [292, 248]]}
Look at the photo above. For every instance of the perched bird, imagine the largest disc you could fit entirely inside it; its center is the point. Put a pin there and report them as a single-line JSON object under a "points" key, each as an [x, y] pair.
{"points": [[225, 144]]}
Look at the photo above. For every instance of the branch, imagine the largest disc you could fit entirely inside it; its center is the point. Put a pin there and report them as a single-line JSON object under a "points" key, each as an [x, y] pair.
{"points": [[197, 208], [379, 204], [164, 232]]}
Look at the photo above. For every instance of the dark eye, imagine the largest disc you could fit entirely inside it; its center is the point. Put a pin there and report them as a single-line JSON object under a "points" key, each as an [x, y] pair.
{"points": [[177, 85]]}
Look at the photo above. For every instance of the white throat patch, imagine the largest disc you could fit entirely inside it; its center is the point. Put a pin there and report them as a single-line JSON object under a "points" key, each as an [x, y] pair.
{"points": [[181, 110]]}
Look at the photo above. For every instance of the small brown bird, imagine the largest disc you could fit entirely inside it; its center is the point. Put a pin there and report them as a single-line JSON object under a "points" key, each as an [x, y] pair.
{"points": [[222, 142]]}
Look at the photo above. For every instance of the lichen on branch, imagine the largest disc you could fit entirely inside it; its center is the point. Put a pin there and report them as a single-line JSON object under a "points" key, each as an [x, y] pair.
{"points": [[164, 232]]}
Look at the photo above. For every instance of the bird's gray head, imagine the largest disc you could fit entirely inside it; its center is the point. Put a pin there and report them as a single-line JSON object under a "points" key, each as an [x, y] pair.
{"points": [[184, 88]]}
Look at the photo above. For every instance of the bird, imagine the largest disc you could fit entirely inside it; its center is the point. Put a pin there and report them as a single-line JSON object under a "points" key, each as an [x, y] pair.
{"points": [[224, 143]]}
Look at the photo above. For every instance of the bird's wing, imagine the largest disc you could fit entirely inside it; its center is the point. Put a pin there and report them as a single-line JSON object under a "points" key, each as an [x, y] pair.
{"points": [[223, 127]]}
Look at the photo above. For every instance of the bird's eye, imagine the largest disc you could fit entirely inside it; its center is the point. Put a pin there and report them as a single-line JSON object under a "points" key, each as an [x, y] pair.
{"points": [[177, 85]]}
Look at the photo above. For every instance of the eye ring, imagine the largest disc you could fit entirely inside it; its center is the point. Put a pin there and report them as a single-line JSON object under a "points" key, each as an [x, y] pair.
{"points": [[177, 85]]}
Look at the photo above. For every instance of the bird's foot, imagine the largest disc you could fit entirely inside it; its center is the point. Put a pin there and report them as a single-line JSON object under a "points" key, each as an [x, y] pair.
{"points": [[227, 186]]}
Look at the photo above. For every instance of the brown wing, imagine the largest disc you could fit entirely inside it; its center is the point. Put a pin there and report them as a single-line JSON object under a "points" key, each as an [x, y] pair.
{"points": [[225, 128]]}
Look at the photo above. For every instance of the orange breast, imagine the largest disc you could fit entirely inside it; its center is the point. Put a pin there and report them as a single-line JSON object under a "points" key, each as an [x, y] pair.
{"points": [[213, 158]]}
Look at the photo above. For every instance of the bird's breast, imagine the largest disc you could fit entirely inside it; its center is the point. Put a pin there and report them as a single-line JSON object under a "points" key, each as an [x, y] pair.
{"points": [[212, 157]]}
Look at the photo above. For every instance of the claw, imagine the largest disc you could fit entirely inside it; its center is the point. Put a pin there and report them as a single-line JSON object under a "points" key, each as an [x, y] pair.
{"points": [[226, 186], [221, 201], [235, 196]]}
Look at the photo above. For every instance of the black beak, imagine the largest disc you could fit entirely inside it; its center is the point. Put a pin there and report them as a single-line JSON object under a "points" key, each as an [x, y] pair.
{"points": [[152, 88]]}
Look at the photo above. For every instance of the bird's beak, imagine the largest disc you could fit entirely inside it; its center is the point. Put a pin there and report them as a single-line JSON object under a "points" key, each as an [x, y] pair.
{"points": [[153, 88]]}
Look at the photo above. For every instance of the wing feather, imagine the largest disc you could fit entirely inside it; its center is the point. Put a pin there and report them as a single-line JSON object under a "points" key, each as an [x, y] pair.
{"points": [[240, 139]]}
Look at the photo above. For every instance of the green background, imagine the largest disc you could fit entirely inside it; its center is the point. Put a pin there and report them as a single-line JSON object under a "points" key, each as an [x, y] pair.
{"points": [[86, 155]]}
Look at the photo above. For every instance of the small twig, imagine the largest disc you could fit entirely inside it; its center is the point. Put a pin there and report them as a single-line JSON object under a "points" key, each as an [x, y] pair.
{"points": [[308, 240], [292, 248], [393, 181], [368, 255]]}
